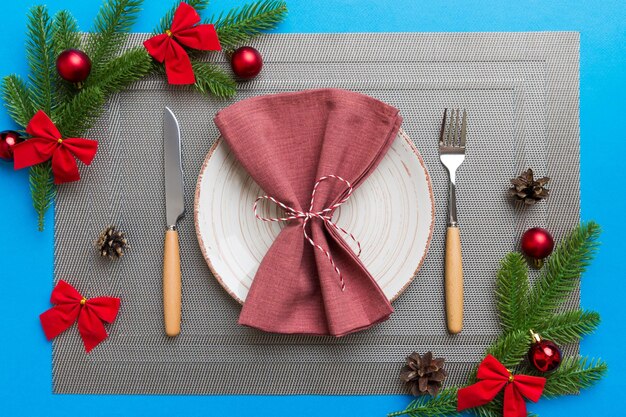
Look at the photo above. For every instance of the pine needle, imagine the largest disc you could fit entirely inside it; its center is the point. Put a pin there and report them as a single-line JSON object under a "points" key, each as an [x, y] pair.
{"points": [[41, 59], [573, 375], [78, 114], [42, 190], [17, 99], [570, 326], [212, 79], [65, 33], [125, 69], [444, 404], [239, 25], [511, 291], [114, 20], [561, 274]]}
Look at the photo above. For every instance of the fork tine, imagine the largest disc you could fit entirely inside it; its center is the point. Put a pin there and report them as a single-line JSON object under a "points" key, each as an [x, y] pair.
{"points": [[464, 128], [457, 126], [449, 137], [443, 127]]}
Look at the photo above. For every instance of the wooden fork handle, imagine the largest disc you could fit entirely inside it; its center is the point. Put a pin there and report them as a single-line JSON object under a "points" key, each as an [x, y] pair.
{"points": [[171, 284], [454, 280]]}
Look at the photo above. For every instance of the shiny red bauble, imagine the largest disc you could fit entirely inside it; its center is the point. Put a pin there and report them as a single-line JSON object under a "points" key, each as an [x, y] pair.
{"points": [[537, 243], [246, 62], [8, 139], [73, 65], [544, 355]]}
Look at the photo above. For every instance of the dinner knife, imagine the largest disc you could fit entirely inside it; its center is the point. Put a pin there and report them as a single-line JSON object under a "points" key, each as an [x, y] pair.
{"points": [[174, 210]]}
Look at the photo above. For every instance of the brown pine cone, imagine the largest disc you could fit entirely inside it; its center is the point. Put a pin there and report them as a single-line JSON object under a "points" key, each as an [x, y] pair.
{"points": [[112, 242], [423, 374], [527, 189]]}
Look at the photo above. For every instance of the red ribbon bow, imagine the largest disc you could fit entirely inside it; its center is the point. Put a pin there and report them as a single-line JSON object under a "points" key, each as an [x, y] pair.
{"points": [[493, 377], [168, 46], [46, 142], [71, 305]]}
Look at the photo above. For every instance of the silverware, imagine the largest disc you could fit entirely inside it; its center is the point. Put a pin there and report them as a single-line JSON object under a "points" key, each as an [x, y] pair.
{"points": [[452, 155], [174, 210]]}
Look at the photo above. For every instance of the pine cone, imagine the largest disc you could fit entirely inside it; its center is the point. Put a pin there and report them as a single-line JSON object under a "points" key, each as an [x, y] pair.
{"points": [[527, 189], [423, 374], [112, 242]]}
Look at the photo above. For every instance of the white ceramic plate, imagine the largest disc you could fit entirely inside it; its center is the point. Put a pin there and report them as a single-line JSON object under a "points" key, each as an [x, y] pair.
{"points": [[391, 214]]}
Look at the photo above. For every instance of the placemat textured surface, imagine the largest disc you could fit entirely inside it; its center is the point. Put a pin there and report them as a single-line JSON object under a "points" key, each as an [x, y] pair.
{"points": [[521, 94]]}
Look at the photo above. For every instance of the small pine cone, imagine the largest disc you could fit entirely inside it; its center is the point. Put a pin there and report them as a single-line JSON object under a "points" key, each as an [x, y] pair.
{"points": [[423, 374], [527, 189], [112, 242]]}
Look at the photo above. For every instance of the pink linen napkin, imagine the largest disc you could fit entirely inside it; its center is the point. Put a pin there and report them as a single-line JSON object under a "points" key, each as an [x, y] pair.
{"points": [[287, 142]]}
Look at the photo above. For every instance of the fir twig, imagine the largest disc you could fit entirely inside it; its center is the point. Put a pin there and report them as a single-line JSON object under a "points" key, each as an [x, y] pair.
{"points": [[166, 20], [444, 404], [239, 25], [573, 375], [113, 21], [562, 272], [17, 100], [42, 190], [511, 347], [570, 326], [511, 291], [78, 114], [212, 79], [65, 33], [125, 69], [41, 59]]}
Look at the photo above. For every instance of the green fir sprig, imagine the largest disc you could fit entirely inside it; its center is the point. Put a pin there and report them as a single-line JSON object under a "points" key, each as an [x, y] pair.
{"points": [[522, 308], [74, 108]]}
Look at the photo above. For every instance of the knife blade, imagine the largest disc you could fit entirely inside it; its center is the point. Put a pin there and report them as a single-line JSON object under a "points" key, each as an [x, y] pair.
{"points": [[174, 210]]}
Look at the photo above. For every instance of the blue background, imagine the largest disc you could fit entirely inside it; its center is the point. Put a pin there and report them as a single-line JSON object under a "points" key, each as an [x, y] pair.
{"points": [[26, 255]]}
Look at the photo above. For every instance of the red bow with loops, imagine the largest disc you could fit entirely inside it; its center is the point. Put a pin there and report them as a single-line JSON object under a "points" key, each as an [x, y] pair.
{"points": [[46, 142], [70, 306], [168, 46], [493, 377]]}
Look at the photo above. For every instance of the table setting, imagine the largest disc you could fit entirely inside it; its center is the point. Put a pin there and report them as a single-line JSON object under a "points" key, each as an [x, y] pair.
{"points": [[239, 213]]}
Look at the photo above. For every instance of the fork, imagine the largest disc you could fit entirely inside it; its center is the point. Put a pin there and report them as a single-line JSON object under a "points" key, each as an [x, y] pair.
{"points": [[452, 154]]}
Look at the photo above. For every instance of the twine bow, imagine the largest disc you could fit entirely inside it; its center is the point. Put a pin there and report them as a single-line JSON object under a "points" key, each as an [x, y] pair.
{"points": [[323, 215]]}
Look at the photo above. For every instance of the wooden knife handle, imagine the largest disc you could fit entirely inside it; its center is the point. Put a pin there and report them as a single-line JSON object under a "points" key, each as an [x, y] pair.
{"points": [[171, 284], [454, 280]]}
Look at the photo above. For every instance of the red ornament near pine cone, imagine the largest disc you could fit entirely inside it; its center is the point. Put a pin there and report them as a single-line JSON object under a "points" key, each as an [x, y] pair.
{"points": [[537, 243], [73, 65], [8, 139], [246, 62]]}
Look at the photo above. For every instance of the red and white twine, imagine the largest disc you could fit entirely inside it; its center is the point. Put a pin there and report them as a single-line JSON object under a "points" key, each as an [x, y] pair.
{"points": [[292, 214]]}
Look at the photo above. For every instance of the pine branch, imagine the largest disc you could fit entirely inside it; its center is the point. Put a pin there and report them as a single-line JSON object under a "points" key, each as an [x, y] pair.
{"points": [[65, 33], [125, 69], [114, 20], [562, 272], [17, 100], [41, 59], [570, 326], [511, 291], [573, 375], [42, 190], [212, 79], [444, 404], [511, 347], [166, 20], [78, 114], [239, 25]]}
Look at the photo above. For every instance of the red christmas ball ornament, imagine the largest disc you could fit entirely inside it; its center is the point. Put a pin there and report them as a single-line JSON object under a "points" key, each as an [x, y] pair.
{"points": [[73, 65], [8, 139], [537, 243], [544, 355], [246, 62]]}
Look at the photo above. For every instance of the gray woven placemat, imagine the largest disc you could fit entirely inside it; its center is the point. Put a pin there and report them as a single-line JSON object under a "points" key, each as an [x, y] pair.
{"points": [[521, 93]]}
